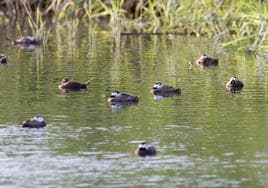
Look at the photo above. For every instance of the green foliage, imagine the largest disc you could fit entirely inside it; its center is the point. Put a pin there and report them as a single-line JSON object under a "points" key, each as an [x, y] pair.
{"points": [[242, 24]]}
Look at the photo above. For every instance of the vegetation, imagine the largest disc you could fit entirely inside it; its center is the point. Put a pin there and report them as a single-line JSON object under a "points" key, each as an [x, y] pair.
{"points": [[241, 24]]}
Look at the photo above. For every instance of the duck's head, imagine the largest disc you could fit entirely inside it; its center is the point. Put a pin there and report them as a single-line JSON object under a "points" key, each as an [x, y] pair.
{"points": [[40, 119], [64, 80], [157, 85], [115, 94], [233, 79], [3, 56], [143, 146], [30, 37], [204, 56]]}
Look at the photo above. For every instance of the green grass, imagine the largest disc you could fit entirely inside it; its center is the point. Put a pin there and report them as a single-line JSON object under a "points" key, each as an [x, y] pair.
{"points": [[240, 24]]}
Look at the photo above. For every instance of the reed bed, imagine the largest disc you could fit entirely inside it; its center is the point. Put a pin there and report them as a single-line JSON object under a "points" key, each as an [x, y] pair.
{"points": [[240, 24]]}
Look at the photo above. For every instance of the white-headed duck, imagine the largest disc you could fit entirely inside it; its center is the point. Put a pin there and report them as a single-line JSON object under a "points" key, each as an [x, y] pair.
{"points": [[28, 40], [234, 84], [205, 61], [3, 58], [35, 122], [164, 90], [144, 150], [122, 98], [74, 86]]}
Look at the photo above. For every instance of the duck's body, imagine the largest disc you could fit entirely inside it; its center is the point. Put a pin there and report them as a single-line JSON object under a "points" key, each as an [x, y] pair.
{"points": [[205, 61], [234, 84], [164, 90], [122, 98], [144, 150], [28, 40], [3, 58], [35, 122], [71, 85]]}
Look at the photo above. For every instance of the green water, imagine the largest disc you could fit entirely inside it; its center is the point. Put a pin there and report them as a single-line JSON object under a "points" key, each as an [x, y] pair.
{"points": [[206, 137]]}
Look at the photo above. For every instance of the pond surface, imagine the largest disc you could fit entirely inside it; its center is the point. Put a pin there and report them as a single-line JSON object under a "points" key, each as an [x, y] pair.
{"points": [[205, 137]]}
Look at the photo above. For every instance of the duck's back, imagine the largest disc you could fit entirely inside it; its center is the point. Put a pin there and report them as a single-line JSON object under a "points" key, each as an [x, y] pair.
{"points": [[73, 85]]}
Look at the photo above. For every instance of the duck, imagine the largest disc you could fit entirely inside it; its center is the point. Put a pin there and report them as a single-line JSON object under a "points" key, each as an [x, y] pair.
{"points": [[144, 150], [234, 84], [118, 97], [205, 61], [164, 90], [74, 86], [3, 58], [28, 40], [35, 122]]}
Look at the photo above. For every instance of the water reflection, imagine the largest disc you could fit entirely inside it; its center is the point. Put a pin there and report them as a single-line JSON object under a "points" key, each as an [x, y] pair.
{"points": [[166, 95], [200, 142], [118, 106]]}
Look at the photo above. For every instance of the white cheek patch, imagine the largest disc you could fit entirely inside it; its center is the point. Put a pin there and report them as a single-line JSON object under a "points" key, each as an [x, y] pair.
{"points": [[145, 146], [157, 85], [115, 94], [39, 119]]}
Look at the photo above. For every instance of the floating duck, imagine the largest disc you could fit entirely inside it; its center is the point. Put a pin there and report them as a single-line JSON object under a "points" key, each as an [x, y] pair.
{"points": [[144, 150], [164, 90], [205, 61], [118, 97], [234, 84], [35, 122], [3, 58], [74, 86], [28, 40]]}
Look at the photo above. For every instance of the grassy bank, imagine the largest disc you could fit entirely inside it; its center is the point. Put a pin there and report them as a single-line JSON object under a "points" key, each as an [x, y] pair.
{"points": [[241, 24]]}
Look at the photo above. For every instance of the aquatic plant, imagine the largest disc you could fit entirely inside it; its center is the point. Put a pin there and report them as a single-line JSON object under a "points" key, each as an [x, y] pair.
{"points": [[36, 22], [241, 24]]}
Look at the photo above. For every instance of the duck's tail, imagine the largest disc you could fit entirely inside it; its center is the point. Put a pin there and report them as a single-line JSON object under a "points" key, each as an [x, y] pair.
{"points": [[88, 82]]}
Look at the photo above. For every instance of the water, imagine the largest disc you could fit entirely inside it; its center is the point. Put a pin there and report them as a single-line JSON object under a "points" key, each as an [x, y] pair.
{"points": [[206, 137]]}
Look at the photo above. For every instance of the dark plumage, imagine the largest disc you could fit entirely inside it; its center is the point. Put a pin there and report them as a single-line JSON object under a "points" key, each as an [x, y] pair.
{"points": [[122, 97], [144, 150], [75, 86], [3, 58], [234, 84], [205, 61], [35, 122], [28, 40], [164, 90]]}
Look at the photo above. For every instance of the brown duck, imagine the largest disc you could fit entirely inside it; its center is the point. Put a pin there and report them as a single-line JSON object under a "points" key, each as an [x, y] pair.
{"points": [[35, 122], [144, 150], [205, 61], [234, 84], [122, 97], [164, 90], [71, 85], [3, 58]]}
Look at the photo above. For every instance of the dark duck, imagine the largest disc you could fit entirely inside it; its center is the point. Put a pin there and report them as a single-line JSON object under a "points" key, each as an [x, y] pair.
{"points": [[28, 40], [118, 97], [67, 84], [164, 90], [205, 61], [35, 122], [3, 59], [234, 84], [144, 150]]}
